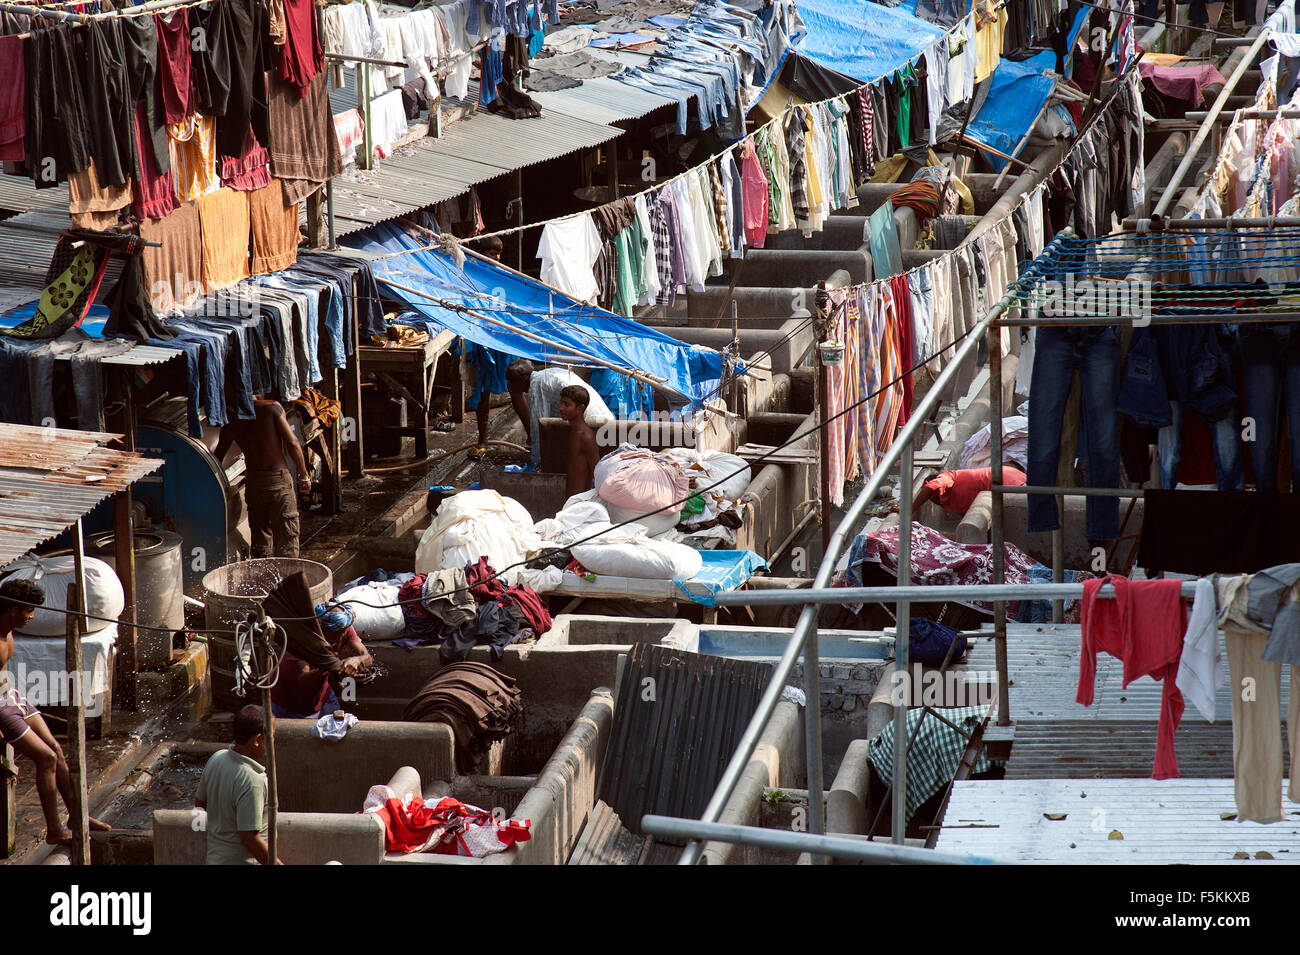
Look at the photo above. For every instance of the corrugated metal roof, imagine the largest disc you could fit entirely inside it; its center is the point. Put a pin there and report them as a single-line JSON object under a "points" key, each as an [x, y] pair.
{"points": [[1164, 822], [603, 100], [27, 243], [50, 478], [1118, 749], [471, 151], [1043, 666], [19, 194]]}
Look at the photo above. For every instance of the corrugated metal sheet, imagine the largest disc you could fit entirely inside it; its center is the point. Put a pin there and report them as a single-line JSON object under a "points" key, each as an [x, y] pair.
{"points": [[1122, 749], [50, 478], [1166, 822], [605, 840], [19, 194], [27, 244], [677, 722], [469, 152], [1043, 665], [603, 100]]}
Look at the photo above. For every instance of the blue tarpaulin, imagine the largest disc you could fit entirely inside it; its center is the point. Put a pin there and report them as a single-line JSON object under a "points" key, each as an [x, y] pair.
{"points": [[722, 570], [862, 39], [571, 331], [1017, 94]]}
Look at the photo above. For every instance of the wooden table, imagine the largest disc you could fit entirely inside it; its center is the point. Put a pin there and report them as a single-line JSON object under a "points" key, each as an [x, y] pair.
{"points": [[409, 371]]}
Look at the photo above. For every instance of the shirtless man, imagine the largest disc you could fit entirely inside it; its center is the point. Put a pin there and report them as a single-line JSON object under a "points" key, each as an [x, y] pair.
{"points": [[269, 490], [21, 724], [582, 453]]}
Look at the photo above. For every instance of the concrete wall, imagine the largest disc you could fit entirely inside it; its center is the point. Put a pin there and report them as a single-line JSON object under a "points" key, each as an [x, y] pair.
{"points": [[555, 674], [327, 776], [305, 838], [778, 761], [559, 802]]}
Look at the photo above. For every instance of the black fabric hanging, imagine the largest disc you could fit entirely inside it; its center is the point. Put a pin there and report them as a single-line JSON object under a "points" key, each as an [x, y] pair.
{"points": [[129, 310], [109, 103], [140, 43], [55, 116]]}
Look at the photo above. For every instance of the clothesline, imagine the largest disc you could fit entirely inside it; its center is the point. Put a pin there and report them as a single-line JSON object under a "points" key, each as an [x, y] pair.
{"points": [[155, 6]]}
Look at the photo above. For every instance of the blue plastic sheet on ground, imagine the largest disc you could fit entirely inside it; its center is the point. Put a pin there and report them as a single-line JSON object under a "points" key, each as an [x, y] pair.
{"points": [[862, 39], [92, 324], [1017, 94], [722, 570], [463, 301]]}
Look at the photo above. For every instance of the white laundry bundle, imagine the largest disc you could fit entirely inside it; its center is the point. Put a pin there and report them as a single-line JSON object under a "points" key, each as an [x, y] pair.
{"points": [[476, 524], [629, 552]]}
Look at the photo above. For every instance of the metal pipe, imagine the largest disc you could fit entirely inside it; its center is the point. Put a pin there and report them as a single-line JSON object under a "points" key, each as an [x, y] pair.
{"points": [[916, 593], [1236, 318], [1069, 491], [903, 622], [1171, 190], [1058, 562], [1270, 222], [363, 59], [808, 617], [858, 849], [998, 515], [1202, 115]]}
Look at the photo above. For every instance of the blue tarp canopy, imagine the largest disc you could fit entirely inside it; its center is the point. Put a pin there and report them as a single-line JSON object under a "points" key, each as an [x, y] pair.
{"points": [[862, 39], [571, 331], [1017, 94]]}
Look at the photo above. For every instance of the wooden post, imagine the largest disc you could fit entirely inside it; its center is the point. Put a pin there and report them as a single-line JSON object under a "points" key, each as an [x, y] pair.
{"points": [[316, 219], [8, 801], [124, 558], [272, 783], [76, 710]]}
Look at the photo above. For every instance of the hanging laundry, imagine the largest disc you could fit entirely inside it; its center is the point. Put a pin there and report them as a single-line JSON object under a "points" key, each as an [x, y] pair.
{"points": [[1256, 742], [173, 65], [224, 220], [274, 227], [568, 250], [301, 56], [192, 144], [13, 100], [1154, 609]]}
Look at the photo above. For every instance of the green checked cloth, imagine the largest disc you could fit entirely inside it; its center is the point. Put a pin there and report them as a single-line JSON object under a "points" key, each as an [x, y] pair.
{"points": [[934, 755]]}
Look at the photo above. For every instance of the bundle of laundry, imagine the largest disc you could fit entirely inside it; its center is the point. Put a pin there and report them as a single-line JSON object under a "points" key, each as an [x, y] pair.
{"points": [[375, 609], [717, 478], [1015, 444], [638, 484], [447, 827], [475, 524], [629, 551], [104, 595], [503, 615], [480, 704]]}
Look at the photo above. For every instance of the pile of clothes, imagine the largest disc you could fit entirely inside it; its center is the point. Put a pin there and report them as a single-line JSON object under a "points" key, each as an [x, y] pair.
{"points": [[460, 609], [480, 705], [447, 827]]}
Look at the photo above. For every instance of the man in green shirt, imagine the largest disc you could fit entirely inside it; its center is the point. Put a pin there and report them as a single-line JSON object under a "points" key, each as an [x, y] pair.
{"points": [[233, 791]]}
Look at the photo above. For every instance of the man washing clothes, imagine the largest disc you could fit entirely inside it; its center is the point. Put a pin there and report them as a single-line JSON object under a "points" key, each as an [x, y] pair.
{"points": [[270, 493], [21, 724], [518, 374], [307, 690], [581, 453], [233, 790]]}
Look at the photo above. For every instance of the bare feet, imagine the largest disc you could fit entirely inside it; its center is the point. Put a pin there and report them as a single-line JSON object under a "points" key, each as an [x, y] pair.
{"points": [[59, 837]]}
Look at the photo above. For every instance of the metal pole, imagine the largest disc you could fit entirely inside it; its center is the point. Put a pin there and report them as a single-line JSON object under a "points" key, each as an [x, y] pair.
{"points": [[1171, 190], [124, 557], [363, 101], [824, 448], [272, 783], [1058, 562], [998, 516], [855, 848], [915, 593], [902, 630], [808, 616]]}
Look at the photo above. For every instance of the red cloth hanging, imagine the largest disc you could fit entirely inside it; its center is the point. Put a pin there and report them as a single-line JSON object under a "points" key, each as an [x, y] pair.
{"points": [[1143, 627]]}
